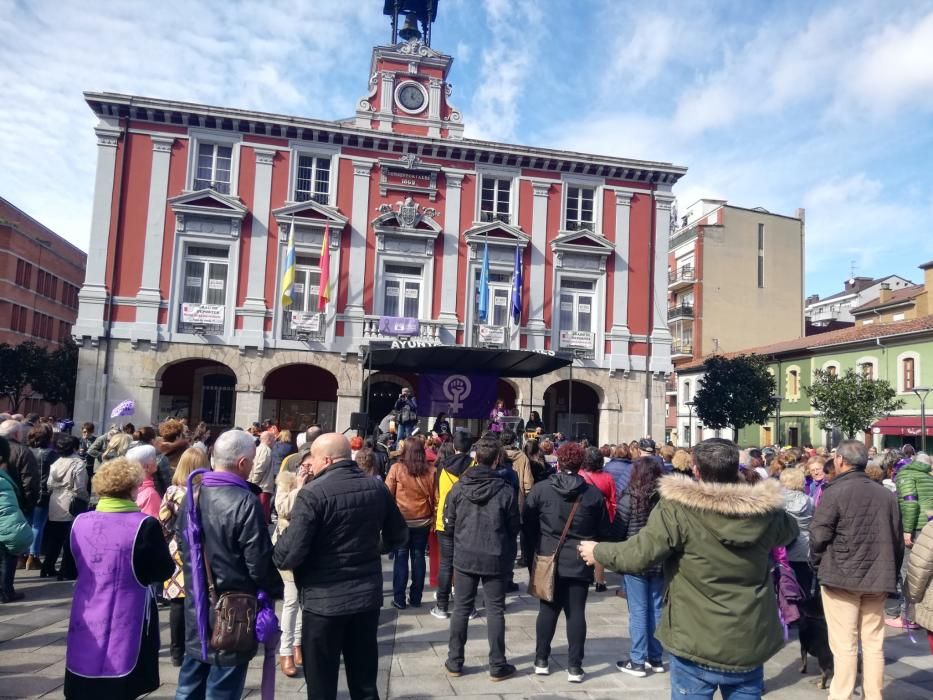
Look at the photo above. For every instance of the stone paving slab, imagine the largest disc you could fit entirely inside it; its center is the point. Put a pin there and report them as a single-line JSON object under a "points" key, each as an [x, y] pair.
{"points": [[413, 646]]}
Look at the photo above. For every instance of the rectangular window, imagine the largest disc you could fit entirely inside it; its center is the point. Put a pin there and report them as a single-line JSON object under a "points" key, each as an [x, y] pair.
{"points": [[64, 330], [908, 370], [312, 180], [580, 208], [214, 167], [868, 371], [204, 282], [402, 291], [761, 256], [496, 200], [576, 312], [23, 274]]}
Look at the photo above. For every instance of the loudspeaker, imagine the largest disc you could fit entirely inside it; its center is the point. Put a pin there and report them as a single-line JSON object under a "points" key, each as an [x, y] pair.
{"points": [[359, 421]]}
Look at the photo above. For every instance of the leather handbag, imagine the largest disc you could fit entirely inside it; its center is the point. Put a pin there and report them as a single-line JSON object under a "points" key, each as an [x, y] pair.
{"points": [[234, 617], [544, 566]]}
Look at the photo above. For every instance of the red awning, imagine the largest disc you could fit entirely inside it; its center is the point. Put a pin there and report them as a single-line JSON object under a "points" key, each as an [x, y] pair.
{"points": [[901, 425]]}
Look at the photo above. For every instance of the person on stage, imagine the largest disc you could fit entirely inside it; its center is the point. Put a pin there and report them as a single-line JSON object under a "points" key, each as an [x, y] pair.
{"points": [[534, 424], [441, 427], [496, 415], [406, 407]]}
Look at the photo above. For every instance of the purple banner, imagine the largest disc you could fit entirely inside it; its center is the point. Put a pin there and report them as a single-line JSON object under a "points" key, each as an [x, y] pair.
{"points": [[395, 325], [457, 395]]}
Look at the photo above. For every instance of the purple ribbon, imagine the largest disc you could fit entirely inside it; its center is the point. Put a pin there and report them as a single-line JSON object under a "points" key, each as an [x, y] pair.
{"points": [[910, 498], [268, 634]]}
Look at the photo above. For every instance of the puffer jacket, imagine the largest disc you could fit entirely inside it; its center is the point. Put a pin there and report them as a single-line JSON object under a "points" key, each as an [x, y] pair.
{"points": [[236, 539], [920, 578], [15, 531], [714, 543], [546, 511], [632, 521], [332, 543], [914, 495], [414, 495], [800, 506], [482, 513], [449, 474], [621, 471], [67, 481], [856, 540]]}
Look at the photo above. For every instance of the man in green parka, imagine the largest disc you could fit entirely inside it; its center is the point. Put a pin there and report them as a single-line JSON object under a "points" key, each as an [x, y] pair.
{"points": [[713, 537]]}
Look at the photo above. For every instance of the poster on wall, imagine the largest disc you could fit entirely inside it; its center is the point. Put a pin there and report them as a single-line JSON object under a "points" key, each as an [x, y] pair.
{"points": [[207, 314], [307, 322], [580, 340], [492, 334]]}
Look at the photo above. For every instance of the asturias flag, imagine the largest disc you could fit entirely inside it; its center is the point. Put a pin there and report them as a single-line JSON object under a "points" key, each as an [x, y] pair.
{"points": [[517, 288], [323, 295], [484, 286], [288, 275]]}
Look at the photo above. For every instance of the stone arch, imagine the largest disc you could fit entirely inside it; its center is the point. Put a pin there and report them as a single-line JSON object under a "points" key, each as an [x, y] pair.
{"points": [[199, 387], [300, 394], [179, 353], [588, 400]]}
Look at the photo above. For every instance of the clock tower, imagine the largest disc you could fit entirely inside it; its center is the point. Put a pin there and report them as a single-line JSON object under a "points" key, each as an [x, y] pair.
{"points": [[408, 88]]}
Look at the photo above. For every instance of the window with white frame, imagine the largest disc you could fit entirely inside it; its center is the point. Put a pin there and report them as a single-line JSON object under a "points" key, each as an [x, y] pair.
{"points": [[575, 312], [304, 296], [496, 199], [500, 299], [204, 282], [908, 366], [867, 369], [402, 290], [792, 385], [214, 167], [580, 211], [312, 179]]}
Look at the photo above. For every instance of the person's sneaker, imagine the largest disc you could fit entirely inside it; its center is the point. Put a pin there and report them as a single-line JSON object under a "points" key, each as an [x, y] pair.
{"points": [[655, 666], [398, 606], [600, 587], [453, 669], [500, 674], [574, 675], [901, 623], [440, 614], [631, 668], [541, 667]]}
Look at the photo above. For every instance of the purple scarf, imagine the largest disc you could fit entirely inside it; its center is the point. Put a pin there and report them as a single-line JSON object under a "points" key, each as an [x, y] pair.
{"points": [[267, 624]]}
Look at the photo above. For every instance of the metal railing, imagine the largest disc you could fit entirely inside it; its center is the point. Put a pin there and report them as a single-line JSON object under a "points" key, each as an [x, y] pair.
{"points": [[216, 185], [319, 197], [580, 226], [683, 274], [429, 330], [683, 237], [490, 216], [682, 347], [197, 328], [680, 311], [301, 334]]}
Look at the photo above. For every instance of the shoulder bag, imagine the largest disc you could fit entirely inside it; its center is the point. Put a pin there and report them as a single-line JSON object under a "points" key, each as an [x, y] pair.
{"points": [[544, 566]]}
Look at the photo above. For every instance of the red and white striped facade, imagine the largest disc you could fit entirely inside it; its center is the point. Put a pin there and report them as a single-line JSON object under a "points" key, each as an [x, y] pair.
{"points": [[193, 206]]}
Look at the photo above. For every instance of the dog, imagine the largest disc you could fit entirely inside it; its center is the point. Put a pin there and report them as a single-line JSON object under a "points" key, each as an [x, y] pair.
{"points": [[814, 638]]}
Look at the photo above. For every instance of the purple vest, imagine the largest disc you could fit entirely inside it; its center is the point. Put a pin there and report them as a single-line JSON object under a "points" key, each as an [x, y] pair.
{"points": [[110, 606]]}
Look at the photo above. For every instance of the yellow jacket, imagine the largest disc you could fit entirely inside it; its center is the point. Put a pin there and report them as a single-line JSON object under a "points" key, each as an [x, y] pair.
{"points": [[446, 478]]}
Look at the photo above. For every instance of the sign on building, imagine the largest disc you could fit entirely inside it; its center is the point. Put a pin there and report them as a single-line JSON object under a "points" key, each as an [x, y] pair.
{"points": [[203, 314], [305, 322], [492, 334], [580, 340]]}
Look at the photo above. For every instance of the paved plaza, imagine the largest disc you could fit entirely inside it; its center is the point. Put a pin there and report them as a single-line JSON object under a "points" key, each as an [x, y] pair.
{"points": [[413, 646]]}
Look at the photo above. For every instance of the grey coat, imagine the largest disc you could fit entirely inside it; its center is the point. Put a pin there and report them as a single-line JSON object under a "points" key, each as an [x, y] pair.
{"points": [[800, 507], [920, 578]]}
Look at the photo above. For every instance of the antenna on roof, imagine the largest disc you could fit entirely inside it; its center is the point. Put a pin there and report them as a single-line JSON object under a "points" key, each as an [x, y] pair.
{"points": [[852, 269]]}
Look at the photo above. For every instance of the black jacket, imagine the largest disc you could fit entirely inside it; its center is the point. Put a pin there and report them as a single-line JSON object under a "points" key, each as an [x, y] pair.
{"points": [[332, 543], [629, 521], [237, 541], [547, 508], [24, 469], [45, 458], [481, 511], [856, 537]]}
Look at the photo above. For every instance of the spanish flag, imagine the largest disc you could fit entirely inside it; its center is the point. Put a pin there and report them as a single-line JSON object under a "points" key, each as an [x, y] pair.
{"points": [[323, 295], [288, 276]]}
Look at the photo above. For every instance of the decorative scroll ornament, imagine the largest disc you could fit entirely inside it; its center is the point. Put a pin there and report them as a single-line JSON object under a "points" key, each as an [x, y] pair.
{"points": [[409, 212]]}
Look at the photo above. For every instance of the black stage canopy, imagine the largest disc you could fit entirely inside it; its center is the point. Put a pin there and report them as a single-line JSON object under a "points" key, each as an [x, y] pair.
{"points": [[446, 358]]}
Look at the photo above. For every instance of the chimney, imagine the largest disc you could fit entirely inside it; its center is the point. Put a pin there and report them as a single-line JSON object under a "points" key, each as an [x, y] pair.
{"points": [[812, 299], [885, 295], [927, 277]]}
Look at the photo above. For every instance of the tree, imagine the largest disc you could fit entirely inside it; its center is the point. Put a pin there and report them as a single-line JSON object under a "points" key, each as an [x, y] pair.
{"points": [[19, 367], [850, 402], [56, 382], [734, 392]]}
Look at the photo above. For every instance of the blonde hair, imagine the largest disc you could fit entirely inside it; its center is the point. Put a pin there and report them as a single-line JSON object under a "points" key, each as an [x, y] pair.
{"points": [[119, 443], [284, 436], [792, 479], [117, 478], [191, 459], [682, 461]]}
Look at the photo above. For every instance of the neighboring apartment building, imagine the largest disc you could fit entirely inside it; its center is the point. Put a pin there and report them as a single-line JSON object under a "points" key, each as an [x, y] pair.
{"points": [[858, 291], [40, 275], [899, 352], [734, 275], [193, 205], [893, 304]]}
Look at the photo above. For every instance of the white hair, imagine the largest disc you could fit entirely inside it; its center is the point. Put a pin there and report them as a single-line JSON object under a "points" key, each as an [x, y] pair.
{"points": [[923, 458], [231, 447], [144, 454], [11, 429]]}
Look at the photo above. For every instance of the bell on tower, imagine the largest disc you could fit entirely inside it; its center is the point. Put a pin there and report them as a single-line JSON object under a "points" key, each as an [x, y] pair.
{"points": [[423, 12]]}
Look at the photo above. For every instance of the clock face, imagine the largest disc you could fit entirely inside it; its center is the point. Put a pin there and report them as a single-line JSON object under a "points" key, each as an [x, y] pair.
{"points": [[411, 97]]}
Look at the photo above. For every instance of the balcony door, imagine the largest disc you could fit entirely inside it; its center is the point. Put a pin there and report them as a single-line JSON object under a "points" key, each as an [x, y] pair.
{"points": [[402, 291]]}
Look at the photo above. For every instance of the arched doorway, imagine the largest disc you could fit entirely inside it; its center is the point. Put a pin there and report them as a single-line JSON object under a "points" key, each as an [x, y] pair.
{"points": [[585, 419], [198, 390], [385, 392], [297, 396]]}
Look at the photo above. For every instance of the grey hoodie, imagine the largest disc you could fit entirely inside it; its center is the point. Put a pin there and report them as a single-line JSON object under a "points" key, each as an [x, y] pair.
{"points": [[800, 507]]}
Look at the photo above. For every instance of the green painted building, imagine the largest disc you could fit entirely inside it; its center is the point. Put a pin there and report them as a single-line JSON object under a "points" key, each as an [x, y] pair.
{"points": [[900, 353]]}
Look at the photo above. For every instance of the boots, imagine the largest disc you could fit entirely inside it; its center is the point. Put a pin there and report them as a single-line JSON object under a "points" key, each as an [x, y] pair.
{"points": [[287, 663], [299, 659], [33, 563]]}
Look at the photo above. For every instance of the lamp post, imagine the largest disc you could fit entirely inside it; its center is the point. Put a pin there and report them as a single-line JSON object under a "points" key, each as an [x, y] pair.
{"points": [[922, 392], [690, 405], [776, 398]]}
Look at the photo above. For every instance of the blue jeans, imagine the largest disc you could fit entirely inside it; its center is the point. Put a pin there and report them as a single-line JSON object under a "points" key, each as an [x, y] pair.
{"points": [[198, 681], [417, 544], [692, 682], [645, 596], [40, 516], [406, 429]]}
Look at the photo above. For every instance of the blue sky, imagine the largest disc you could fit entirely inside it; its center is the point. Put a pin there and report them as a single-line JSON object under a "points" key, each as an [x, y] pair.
{"points": [[827, 106]]}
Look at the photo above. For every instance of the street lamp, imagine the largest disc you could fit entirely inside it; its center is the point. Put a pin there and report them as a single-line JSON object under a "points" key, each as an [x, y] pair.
{"points": [[776, 398], [690, 405], [922, 392]]}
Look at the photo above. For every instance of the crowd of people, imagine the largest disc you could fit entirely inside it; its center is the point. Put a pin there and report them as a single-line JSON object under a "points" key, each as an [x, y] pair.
{"points": [[721, 550]]}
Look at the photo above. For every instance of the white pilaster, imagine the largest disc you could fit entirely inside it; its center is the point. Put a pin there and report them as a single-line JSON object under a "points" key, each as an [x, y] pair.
{"points": [[248, 404], [359, 227], [536, 326], [620, 334], [660, 335], [94, 294], [386, 96], [451, 267], [254, 306], [149, 297]]}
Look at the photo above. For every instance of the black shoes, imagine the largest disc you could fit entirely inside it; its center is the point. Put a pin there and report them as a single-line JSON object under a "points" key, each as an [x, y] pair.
{"points": [[600, 587], [453, 669], [632, 669], [502, 673]]}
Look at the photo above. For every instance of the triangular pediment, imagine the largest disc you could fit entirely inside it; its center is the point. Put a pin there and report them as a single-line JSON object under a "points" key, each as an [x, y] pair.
{"points": [[208, 202], [497, 232], [310, 213], [390, 220], [582, 242]]}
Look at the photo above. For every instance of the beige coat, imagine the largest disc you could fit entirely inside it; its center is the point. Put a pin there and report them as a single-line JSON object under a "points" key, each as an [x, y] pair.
{"points": [[285, 494], [920, 578], [67, 480]]}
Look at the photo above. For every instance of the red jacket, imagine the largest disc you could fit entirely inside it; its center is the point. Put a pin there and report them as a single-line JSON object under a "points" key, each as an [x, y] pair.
{"points": [[606, 485]]}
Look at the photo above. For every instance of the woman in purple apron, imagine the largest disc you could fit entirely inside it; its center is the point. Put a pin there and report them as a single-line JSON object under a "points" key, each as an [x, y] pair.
{"points": [[113, 635]]}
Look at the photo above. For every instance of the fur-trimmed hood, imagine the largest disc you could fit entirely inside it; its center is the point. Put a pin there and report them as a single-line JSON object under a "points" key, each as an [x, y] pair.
{"points": [[737, 514]]}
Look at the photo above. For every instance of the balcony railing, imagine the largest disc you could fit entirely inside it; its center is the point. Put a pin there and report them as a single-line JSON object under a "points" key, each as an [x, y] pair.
{"points": [[682, 347], [680, 311], [682, 237], [201, 319], [216, 185], [681, 276], [488, 336], [319, 197], [670, 384], [428, 330], [490, 216], [302, 326], [579, 226]]}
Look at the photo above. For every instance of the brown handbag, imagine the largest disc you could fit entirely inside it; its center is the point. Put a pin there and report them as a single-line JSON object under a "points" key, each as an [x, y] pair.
{"points": [[544, 566]]}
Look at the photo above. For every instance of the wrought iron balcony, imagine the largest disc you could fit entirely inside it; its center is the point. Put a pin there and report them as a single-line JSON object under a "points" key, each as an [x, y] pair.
{"points": [[681, 277], [681, 348], [216, 185], [303, 326], [580, 226], [680, 311], [683, 236], [201, 319], [319, 197], [490, 216]]}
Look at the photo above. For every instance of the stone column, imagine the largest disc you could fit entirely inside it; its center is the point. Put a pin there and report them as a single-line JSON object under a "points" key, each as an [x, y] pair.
{"points": [[94, 294], [536, 328], [451, 265], [254, 306], [248, 404], [149, 297], [359, 230], [660, 335], [386, 96], [348, 401], [620, 334]]}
